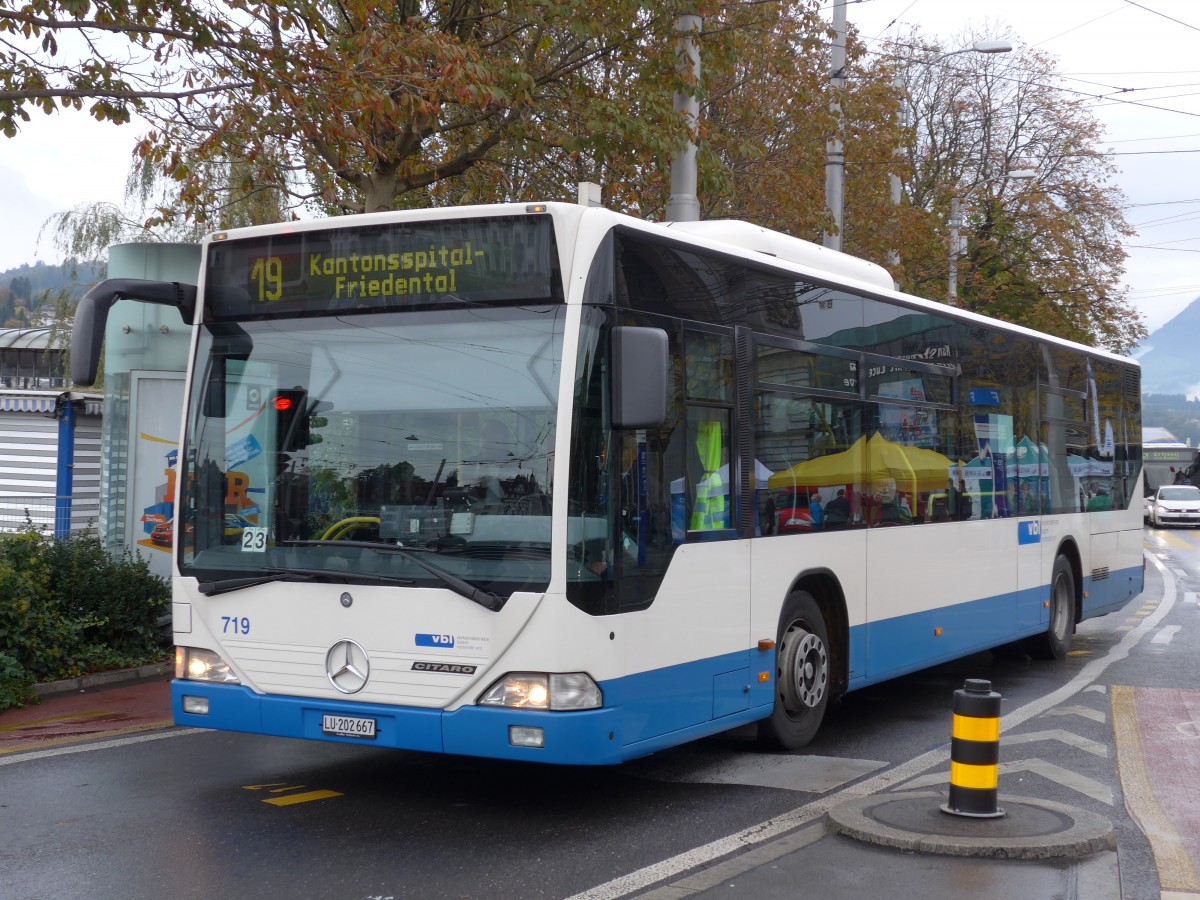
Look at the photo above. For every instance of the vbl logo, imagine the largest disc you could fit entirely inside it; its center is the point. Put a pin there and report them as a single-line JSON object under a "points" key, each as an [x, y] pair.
{"points": [[1029, 532], [435, 640]]}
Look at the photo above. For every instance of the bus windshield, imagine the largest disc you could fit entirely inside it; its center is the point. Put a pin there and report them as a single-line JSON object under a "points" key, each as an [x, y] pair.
{"points": [[394, 448]]}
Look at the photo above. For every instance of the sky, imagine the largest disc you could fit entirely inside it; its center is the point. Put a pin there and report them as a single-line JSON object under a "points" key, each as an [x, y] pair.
{"points": [[1139, 59]]}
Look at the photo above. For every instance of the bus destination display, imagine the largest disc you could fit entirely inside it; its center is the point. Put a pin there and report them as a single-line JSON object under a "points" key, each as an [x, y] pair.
{"points": [[494, 260]]}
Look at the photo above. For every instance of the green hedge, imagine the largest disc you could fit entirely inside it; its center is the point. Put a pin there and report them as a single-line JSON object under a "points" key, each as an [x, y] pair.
{"points": [[69, 608]]}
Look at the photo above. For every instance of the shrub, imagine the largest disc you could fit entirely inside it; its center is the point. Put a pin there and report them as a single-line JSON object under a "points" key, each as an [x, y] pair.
{"points": [[116, 600], [68, 608]]}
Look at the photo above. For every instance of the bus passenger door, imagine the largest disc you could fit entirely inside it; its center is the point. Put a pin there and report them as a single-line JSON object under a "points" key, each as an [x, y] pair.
{"points": [[1031, 591]]}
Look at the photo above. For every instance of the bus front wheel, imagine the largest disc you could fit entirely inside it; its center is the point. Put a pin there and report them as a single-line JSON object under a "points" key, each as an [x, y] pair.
{"points": [[801, 675], [1056, 640]]}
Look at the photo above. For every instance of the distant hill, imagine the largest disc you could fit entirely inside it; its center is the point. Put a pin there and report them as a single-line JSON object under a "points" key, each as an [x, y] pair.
{"points": [[42, 277], [1169, 359]]}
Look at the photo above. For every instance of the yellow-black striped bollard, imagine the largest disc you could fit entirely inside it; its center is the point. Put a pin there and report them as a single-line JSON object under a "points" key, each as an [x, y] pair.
{"points": [[975, 751]]}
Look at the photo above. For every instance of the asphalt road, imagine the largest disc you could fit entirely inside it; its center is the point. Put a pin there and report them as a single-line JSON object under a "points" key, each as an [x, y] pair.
{"points": [[141, 810]]}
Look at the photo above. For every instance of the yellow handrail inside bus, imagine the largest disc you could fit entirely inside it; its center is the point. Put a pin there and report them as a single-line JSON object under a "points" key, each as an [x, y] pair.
{"points": [[339, 530]]}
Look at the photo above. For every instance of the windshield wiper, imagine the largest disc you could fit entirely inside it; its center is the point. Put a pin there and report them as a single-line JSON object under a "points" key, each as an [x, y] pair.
{"points": [[224, 585], [476, 594], [234, 584]]}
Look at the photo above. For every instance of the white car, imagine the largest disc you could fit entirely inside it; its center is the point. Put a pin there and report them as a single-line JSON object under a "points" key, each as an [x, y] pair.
{"points": [[1174, 504]]}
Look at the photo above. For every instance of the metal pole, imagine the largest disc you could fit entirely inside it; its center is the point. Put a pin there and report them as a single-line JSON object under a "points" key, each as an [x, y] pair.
{"points": [[899, 83], [955, 224], [835, 166], [683, 204], [64, 476]]}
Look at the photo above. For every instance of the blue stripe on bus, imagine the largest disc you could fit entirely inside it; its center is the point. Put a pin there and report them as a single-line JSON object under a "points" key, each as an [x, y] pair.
{"points": [[904, 644], [648, 711], [643, 713], [1111, 593]]}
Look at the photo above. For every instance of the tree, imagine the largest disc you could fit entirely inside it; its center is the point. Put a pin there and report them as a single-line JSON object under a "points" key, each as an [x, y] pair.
{"points": [[348, 106], [1046, 252], [21, 287], [258, 109]]}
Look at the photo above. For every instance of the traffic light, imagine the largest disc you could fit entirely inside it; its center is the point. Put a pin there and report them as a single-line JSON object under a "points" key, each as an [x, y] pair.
{"points": [[290, 409]]}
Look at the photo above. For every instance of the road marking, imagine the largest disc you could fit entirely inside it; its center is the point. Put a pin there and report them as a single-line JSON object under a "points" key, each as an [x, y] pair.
{"points": [[66, 740], [643, 878], [1057, 734], [718, 874], [306, 797], [1165, 635], [1188, 729], [1175, 869], [17, 726], [99, 745], [1080, 783], [1086, 711], [810, 774]]}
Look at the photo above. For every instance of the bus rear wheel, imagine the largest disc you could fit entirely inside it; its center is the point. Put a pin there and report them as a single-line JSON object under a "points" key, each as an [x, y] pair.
{"points": [[802, 675], [1056, 640]]}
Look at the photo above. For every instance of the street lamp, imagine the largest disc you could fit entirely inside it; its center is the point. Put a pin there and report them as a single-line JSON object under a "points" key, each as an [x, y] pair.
{"points": [[957, 243], [980, 47]]}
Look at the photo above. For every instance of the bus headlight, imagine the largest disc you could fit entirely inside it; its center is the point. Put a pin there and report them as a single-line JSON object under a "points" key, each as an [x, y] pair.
{"points": [[539, 690], [194, 664]]}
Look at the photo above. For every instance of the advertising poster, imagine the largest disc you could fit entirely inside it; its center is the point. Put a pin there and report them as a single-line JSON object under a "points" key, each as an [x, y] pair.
{"points": [[156, 402]]}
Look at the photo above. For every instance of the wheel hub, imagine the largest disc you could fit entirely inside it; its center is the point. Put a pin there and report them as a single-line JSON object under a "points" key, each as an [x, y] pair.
{"points": [[805, 669]]}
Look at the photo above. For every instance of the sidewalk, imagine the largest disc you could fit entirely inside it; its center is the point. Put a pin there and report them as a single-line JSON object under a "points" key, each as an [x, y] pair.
{"points": [[813, 862], [95, 706]]}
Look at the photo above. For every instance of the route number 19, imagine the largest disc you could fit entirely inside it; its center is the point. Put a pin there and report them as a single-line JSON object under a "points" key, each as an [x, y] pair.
{"points": [[268, 275]]}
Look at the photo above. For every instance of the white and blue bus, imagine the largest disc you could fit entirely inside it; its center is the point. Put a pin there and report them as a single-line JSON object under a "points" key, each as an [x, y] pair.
{"points": [[549, 483]]}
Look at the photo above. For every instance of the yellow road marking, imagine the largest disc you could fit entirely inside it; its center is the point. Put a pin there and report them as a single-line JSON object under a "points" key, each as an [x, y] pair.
{"points": [[33, 724], [302, 798], [1175, 869], [1174, 540], [81, 738]]}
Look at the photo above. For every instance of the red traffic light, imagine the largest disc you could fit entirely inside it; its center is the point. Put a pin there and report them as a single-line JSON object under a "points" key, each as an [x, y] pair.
{"points": [[283, 404]]}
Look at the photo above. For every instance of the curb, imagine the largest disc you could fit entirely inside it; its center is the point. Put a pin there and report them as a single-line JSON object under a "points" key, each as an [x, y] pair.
{"points": [[1031, 829], [103, 679]]}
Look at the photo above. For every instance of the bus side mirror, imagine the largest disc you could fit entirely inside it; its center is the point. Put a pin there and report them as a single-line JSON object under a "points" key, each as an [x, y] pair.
{"points": [[91, 315], [639, 385]]}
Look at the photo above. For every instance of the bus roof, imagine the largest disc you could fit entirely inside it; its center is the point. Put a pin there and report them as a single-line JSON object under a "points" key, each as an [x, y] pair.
{"points": [[730, 235]]}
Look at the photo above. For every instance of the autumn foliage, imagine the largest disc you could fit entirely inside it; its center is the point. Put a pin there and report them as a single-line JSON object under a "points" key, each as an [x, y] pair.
{"points": [[258, 110]]}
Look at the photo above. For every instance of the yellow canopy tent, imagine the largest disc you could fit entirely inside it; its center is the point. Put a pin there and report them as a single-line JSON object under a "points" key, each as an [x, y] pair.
{"points": [[869, 462]]}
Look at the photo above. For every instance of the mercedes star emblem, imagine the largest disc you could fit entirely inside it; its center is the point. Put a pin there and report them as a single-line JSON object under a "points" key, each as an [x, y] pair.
{"points": [[347, 666]]}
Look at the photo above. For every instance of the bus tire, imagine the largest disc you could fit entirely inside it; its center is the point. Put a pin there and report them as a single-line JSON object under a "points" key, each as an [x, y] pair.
{"points": [[802, 675], [1056, 641]]}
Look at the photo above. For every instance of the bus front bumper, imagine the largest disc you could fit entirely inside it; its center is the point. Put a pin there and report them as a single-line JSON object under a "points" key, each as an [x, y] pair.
{"points": [[588, 737]]}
